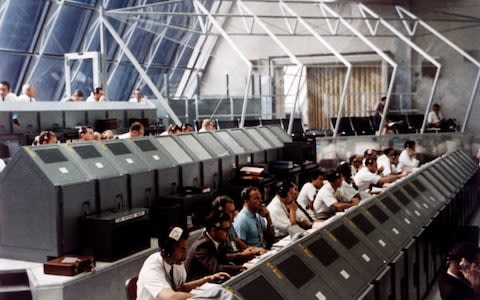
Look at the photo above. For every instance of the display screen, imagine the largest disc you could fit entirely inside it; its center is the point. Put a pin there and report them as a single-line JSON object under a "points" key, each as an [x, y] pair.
{"points": [[401, 197], [194, 146], [259, 288], [243, 139], [87, 151], [378, 214], [420, 185], [290, 267], [174, 149], [118, 148], [259, 139], [411, 191], [391, 205], [323, 252], [281, 134], [270, 136], [211, 142], [226, 138], [50, 156], [145, 145], [363, 224], [345, 236]]}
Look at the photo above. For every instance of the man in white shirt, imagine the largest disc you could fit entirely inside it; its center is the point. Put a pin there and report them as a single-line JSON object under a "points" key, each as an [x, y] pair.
{"points": [[367, 177], [407, 160], [309, 190], [136, 130], [96, 96], [28, 93], [330, 199], [356, 163], [137, 97], [163, 274], [388, 161], [5, 95], [207, 125], [284, 211]]}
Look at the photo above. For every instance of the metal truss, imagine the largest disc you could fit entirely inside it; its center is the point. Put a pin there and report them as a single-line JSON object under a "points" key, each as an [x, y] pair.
{"points": [[403, 13]]}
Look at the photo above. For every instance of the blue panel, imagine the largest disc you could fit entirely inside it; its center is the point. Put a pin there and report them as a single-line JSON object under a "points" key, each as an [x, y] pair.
{"points": [[87, 2], [11, 67], [68, 31], [48, 78], [21, 19], [122, 83]]}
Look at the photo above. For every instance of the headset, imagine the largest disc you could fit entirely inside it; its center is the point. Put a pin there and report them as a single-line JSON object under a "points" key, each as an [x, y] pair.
{"points": [[283, 187], [245, 193], [175, 235], [219, 203]]}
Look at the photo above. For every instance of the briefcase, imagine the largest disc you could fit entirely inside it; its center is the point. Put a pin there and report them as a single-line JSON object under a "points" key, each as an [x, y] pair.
{"points": [[69, 265]]}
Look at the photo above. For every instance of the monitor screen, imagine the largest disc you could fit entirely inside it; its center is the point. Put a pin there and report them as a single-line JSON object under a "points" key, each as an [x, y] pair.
{"points": [[118, 148], [174, 149], [378, 214], [323, 252], [87, 151], [228, 140], [194, 146], [243, 139], [345, 236], [411, 191], [145, 145], [363, 224], [290, 267], [391, 205], [50, 156], [401, 197], [281, 134], [419, 185], [270, 136], [259, 139], [211, 143], [259, 288]]}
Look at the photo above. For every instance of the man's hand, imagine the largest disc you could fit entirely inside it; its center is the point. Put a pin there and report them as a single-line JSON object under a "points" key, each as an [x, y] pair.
{"points": [[217, 277]]}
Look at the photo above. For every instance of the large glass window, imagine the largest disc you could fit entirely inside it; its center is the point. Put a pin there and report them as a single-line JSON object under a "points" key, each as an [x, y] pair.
{"points": [[11, 68], [48, 78]]}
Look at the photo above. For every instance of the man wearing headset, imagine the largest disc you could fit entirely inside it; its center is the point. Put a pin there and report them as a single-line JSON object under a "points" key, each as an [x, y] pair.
{"points": [[163, 274], [462, 279]]}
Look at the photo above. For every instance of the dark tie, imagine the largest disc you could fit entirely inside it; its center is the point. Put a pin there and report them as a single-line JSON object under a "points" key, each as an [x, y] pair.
{"points": [[172, 279], [260, 232]]}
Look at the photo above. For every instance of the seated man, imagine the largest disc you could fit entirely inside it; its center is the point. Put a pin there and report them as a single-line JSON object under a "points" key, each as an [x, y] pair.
{"points": [[5, 94], [435, 119], [388, 161], [408, 157], [135, 130], [163, 274], [96, 96], [28, 93], [207, 254], [137, 97], [207, 125], [356, 163], [77, 96], [86, 134], [461, 280], [236, 249], [284, 210], [253, 223], [310, 189], [367, 177], [330, 199]]}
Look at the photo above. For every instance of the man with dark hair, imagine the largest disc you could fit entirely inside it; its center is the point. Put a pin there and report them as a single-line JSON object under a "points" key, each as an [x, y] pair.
{"points": [[207, 254], [461, 280], [135, 130], [137, 97], [86, 133], [96, 96], [330, 198], [5, 94], [408, 157], [356, 163], [368, 177], [309, 189], [253, 223], [163, 274], [435, 119]]}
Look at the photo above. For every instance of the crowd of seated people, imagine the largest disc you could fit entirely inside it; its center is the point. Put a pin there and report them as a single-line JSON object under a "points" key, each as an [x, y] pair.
{"points": [[230, 239]]}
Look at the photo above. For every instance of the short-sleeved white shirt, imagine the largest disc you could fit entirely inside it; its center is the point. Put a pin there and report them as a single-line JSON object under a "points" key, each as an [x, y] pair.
{"points": [[154, 277], [280, 217], [406, 163], [326, 197], [306, 194], [365, 178]]}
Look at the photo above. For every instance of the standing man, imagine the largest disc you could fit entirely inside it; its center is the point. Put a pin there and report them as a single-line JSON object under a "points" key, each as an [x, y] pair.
{"points": [[163, 274], [253, 223], [284, 210]]}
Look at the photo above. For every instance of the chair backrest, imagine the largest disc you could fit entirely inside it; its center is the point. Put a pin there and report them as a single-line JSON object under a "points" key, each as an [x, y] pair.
{"points": [[131, 288]]}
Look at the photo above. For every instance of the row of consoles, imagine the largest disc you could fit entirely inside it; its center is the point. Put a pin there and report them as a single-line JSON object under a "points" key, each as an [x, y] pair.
{"points": [[52, 196], [390, 247]]}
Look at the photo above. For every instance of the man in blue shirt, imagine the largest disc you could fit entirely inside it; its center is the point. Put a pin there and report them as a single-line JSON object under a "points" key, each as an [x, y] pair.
{"points": [[253, 223]]}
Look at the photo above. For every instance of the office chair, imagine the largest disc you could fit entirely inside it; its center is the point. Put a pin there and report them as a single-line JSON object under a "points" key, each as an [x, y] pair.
{"points": [[131, 288]]}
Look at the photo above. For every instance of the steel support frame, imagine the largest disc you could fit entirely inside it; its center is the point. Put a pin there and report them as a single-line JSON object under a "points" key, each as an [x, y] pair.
{"points": [[402, 12], [287, 9], [365, 11], [140, 70], [326, 10], [96, 70]]}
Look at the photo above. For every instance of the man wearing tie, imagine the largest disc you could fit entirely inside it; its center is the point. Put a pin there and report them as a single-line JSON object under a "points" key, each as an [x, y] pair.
{"points": [[5, 95], [28, 93]]}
